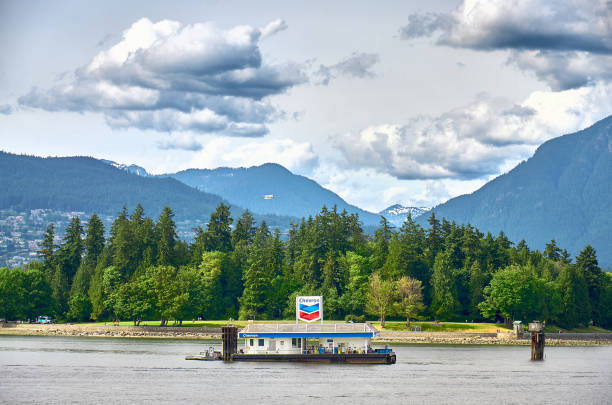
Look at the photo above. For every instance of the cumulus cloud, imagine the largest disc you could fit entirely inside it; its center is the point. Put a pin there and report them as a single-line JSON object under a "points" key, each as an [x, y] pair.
{"points": [[474, 141], [166, 76], [356, 65], [228, 152], [545, 37]]}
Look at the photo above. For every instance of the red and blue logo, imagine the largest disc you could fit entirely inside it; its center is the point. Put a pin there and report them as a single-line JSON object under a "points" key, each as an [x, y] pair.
{"points": [[309, 313]]}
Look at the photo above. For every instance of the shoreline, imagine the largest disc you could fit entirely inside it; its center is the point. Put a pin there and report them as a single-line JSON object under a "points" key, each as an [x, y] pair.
{"points": [[386, 337]]}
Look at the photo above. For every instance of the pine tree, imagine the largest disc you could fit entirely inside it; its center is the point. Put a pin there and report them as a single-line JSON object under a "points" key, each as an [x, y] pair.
{"points": [[478, 281], [245, 229], [94, 241], [94, 244], [59, 286], [166, 237], [218, 232], [48, 251], [595, 279], [257, 277], [575, 297], [444, 303], [382, 237]]}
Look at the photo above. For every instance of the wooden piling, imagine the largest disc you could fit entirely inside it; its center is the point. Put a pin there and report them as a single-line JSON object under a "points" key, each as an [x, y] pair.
{"points": [[537, 346], [229, 336]]}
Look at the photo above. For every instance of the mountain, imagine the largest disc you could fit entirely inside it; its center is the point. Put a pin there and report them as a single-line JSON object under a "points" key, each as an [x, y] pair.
{"points": [[137, 170], [563, 192], [89, 185], [397, 213], [269, 189]]}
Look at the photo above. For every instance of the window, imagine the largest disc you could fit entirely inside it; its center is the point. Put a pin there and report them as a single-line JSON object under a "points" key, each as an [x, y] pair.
{"points": [[293, 342], [251, 342], [260, 342], [299, 342]]}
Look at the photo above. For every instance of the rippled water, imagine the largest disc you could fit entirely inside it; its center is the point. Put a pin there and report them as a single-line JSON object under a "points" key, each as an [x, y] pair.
{"points": [[91, 370]]}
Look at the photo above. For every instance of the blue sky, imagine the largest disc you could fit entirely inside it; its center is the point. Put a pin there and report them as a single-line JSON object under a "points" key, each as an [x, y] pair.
{"points": [[393, 102]]}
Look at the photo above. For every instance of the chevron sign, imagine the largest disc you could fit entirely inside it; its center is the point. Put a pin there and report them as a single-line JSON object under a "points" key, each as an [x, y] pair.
{"points": [[309, 309]]}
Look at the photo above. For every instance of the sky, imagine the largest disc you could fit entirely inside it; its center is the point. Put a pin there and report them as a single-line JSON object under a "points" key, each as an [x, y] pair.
{"points": [[383, 103]]}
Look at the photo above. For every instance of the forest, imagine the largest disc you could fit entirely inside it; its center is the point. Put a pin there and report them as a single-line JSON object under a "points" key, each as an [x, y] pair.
{"points": [[240, 269]]}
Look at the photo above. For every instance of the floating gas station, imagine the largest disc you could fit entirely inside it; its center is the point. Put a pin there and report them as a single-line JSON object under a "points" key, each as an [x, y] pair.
{"points": [[310, 341]]}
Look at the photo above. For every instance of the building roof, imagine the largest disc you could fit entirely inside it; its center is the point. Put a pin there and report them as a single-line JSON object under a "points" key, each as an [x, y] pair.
{"points": [[306, 330]]}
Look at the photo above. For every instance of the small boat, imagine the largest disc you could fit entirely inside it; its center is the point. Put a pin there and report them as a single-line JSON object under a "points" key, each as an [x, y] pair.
{"points": [[209, 355]]}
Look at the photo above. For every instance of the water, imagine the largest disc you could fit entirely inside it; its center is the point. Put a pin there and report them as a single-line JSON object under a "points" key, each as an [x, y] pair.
{"points": [[102, 370]]}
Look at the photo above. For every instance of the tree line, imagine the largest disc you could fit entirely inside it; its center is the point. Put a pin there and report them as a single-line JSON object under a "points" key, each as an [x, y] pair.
{"points": [[245, 270]]}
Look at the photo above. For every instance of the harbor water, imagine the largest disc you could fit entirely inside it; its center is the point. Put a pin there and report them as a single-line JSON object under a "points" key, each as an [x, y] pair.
{"points": [[63, 370]]}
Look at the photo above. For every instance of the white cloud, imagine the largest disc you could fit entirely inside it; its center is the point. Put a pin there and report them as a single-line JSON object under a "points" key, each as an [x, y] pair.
{"points": [[475, 141], [568, 44], [228, 152], [166, 76]]}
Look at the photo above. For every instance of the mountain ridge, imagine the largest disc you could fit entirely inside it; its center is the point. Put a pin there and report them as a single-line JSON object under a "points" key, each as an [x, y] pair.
{"points": [[562, 192], [269, 188]]}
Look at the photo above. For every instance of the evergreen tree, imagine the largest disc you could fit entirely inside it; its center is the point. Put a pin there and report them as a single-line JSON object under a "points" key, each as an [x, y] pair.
{"points": [[595, 278], [218, 233], [257, 277], [211, 271], [552, 251], [444, 303], [478, 281], [166, 237], [382, 237], [72, 248], [59, 286], [245, 229], [575, 296], [48, 251], [94, 245]]}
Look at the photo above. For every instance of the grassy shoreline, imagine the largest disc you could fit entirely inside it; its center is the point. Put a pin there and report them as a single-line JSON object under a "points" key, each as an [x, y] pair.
{"points": [[438, 334]]}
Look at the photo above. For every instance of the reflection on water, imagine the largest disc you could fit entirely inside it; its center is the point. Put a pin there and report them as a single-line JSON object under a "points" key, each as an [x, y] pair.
{"points": [[91, 370]]}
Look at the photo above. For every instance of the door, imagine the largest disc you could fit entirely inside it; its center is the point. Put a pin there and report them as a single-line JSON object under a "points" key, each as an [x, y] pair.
{"points": [[272, 345]]}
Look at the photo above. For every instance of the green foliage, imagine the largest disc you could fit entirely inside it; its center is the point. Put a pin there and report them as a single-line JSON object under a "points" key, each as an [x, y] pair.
{"points": [[516, 292], [447, 271], [11, 294], [79, 307], [380, 297], [444, 291], [575, 295]]}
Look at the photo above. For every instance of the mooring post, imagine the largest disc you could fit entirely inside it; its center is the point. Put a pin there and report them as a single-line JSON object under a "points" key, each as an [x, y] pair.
{"points": [[229, 337], [537, 340]]}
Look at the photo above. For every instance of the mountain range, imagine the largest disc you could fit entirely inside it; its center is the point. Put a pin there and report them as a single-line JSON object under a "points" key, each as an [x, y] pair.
{"points": [[269, 189], [396, 214], [563, 192], [85, 184]]}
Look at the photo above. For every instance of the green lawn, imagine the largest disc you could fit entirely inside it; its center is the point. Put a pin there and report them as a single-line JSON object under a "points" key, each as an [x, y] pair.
{"points": [[444, 326], [389, 325], [590, 329]]}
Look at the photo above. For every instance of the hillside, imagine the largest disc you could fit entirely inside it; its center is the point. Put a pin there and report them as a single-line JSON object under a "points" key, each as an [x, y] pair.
{"points": [[89, 185], [269, 189], [563, 192]]}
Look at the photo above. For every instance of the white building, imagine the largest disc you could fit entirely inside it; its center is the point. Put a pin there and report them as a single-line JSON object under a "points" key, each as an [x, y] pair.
{"points": [[307, 338]]}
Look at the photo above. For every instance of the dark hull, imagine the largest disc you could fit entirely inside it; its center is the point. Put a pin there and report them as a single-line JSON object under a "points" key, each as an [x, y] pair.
{"points": [[371, 358]]}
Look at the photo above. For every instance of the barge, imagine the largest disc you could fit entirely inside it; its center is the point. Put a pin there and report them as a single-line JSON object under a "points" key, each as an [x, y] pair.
{"points": [[321, 343], [303, 342]]}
